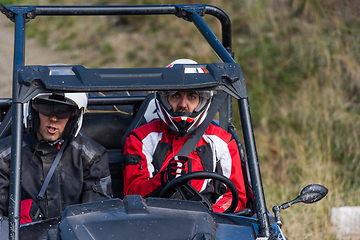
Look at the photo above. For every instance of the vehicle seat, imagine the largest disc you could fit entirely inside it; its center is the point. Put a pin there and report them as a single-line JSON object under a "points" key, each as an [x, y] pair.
{"points": [[146, 114]]}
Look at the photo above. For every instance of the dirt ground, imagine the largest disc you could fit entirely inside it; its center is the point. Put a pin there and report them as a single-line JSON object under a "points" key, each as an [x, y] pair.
{"points": [[34, 55]]}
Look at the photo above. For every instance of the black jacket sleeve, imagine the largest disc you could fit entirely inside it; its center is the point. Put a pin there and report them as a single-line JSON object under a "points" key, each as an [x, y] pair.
{"points": [[97, 180]]}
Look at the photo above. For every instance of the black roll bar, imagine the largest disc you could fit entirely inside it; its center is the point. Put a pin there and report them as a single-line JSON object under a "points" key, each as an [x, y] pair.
{"points": [[16, 136], [32, 11]]}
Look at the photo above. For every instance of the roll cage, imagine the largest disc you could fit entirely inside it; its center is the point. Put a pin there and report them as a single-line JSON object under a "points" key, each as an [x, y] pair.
{"points": [[226, 76]]}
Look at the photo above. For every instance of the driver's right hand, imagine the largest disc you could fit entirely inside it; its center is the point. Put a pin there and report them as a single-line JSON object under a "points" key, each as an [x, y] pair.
{"points": [[175, 168]]}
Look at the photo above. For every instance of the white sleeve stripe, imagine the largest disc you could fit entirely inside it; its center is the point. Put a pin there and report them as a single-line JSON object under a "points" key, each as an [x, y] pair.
{"points": [[88, 152], [220, 151], [149, 144]]}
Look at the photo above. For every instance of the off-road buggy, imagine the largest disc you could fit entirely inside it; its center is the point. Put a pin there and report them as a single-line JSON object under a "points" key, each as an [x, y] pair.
{"points": [[133, 217]]}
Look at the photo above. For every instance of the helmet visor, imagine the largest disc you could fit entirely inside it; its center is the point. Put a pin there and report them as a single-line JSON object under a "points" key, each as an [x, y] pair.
{"points": [[204, 96], [48, 108]]}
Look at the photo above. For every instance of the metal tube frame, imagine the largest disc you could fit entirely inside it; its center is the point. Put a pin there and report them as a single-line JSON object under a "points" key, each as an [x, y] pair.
{"points": [[16, 139], [223, 50]]}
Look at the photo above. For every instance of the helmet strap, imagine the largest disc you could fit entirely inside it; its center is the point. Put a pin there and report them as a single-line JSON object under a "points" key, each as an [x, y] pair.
{"points": [[58, 141]]}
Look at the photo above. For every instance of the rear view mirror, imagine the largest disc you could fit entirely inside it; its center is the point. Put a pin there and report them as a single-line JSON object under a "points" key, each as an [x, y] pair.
{"points": [[310, 194]]}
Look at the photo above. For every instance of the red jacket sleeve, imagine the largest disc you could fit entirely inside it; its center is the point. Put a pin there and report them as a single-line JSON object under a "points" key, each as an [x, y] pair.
{"points": [[236, 176], [137, 175]]}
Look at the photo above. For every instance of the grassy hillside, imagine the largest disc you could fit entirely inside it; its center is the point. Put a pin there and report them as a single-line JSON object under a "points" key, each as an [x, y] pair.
{"points": [[302, 65]]}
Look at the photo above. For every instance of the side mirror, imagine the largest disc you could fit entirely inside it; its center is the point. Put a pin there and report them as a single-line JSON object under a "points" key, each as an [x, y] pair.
{"points": [[310, 194]]}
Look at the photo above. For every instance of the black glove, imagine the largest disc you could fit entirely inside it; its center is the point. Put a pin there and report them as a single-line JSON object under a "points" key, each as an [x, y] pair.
{"points": [[176, 167]]}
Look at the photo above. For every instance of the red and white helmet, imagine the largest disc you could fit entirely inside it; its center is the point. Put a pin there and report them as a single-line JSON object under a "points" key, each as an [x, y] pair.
{"points": [[183, 123]]}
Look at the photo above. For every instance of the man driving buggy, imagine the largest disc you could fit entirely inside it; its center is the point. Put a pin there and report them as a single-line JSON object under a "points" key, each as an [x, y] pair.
{"points": [[60, 166], [150, 151]]}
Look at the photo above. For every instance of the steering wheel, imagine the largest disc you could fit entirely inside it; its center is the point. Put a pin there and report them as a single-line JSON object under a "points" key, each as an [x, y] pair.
{"points": [[184, 180]]}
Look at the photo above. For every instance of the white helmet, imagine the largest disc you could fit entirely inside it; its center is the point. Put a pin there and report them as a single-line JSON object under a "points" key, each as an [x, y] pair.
{"points": [[79, 100], [66, 100], [183, 123]]}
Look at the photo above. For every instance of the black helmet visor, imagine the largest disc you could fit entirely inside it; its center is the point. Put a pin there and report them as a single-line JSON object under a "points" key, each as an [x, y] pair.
{"points": [[49, 108]]}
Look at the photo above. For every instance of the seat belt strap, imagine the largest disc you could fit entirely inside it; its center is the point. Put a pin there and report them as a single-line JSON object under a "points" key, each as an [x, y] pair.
{"points": [[52, 170], [198, 133]]}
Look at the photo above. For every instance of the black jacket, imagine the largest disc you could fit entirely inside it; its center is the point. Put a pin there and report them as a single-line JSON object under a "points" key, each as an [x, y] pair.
{"points": [[82, 175]]}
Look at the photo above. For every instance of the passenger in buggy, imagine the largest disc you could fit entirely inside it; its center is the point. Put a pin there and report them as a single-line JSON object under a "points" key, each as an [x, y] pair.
{"points": [[150, 152], [60, 166]]}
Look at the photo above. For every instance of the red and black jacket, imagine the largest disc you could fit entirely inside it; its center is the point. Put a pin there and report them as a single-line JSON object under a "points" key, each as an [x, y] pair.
{"points": [[82, 175]]}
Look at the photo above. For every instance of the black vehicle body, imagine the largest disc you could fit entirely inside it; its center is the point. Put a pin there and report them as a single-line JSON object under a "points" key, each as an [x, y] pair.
{"points": [[133, 217]]}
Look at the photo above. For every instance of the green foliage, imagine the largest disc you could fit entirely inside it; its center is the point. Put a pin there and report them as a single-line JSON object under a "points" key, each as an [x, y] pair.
{"points": [[106, 48], [131, 55], [6, 2]]}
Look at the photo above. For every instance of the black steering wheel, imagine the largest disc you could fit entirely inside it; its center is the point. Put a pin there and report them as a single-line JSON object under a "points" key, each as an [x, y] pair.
{"points": [[184, 180]]}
